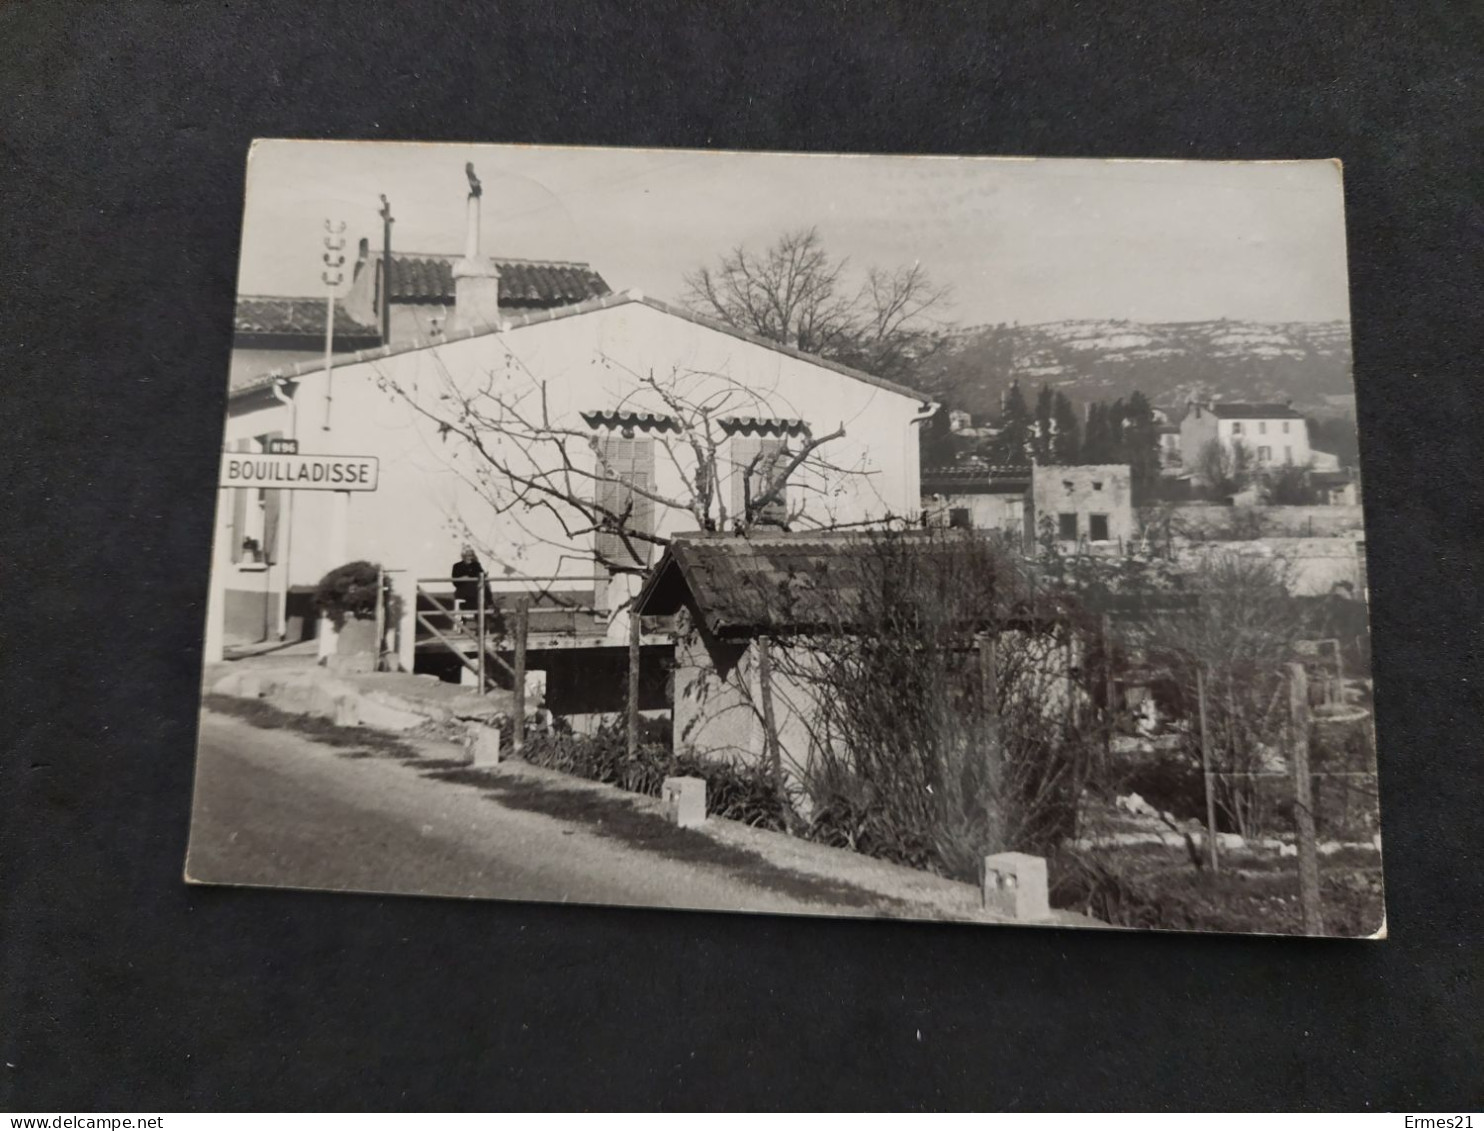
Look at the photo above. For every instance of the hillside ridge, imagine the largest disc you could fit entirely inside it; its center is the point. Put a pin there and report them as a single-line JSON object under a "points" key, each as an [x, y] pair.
{"points": [[1103, 359]]}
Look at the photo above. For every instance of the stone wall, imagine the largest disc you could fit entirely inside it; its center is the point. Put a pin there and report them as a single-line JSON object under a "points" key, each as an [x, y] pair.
{"points": [[1084, 491], [1214, 522]]}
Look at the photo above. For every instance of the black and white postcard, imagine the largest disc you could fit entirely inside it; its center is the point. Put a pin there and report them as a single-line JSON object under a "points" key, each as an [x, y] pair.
{"points": [[952, 538]]}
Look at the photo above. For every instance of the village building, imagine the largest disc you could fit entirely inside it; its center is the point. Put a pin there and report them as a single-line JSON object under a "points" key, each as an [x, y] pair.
{"points": [[273, 331], [1272, 435], [1078, 508], [423, 290], [976, 496], [594, 408], [1084, 507]]}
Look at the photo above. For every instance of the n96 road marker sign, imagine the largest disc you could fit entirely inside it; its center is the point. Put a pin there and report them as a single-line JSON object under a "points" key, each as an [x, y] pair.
{"points": [[299, 472]]}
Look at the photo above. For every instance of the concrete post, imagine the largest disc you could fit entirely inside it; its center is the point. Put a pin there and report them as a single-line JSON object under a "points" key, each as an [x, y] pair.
{"points": [[483, 742], [404, 586], [1013, 884], [685, 801], [326, 639]]}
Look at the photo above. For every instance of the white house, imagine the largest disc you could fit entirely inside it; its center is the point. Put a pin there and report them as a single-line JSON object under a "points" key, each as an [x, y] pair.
{"points": [[1271, 434], [524, 436]]}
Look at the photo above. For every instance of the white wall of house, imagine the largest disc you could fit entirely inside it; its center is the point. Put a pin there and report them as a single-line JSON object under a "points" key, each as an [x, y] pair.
{"points": [[1270, 442], [430, 498], [718, 712]]}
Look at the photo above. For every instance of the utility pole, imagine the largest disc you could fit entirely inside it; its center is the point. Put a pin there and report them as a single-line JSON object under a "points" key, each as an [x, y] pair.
{"points": [[286, 519], [386, 270], [1303, 800], [333, 276], [1200, 691], [522, 631], [636, 654], [339, 524]]}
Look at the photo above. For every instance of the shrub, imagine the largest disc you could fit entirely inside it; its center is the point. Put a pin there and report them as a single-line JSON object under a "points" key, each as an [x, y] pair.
{"points": [[916, 755], [1185, 900], [743, 793], [348, 591]]}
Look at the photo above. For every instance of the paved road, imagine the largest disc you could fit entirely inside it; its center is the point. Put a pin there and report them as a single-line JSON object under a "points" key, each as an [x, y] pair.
{"points": [[274, 808]]}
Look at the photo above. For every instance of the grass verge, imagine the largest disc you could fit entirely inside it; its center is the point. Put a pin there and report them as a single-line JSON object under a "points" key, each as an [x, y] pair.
{"points": [[349, 742]]}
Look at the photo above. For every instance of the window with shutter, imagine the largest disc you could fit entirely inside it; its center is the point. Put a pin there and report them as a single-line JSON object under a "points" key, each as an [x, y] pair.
{"points": [[630, 464]]}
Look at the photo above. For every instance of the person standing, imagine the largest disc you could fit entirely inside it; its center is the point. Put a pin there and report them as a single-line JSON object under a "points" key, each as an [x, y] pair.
{"points": [[468, 573]]}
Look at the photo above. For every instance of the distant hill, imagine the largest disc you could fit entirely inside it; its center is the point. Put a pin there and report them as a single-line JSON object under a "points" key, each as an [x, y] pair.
{"points": [[1168, 361]]}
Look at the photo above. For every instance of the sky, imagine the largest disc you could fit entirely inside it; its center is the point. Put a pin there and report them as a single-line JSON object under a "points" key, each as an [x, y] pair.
{"points": [[1016, 239]]}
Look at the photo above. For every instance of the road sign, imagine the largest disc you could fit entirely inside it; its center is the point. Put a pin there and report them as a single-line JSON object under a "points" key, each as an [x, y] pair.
{"points": [[299, 472], [279, 446]]}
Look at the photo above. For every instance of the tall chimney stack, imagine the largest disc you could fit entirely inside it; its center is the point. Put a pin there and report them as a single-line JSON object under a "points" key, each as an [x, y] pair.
{"points": [[476, 279]]}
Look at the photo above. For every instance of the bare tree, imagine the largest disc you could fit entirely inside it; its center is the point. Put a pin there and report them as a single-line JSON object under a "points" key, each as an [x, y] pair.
{"points": [[796, 293], [941, 714], [1226, 469], [1235, 642], [562, 477]]}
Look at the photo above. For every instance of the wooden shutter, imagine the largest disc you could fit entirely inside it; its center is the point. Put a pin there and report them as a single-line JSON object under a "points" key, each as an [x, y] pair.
{"points": [[768, 468], [744, 448], [630, 463]]}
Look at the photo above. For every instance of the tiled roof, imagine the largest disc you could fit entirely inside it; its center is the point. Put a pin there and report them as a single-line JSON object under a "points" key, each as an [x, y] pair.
{"points": [[524, 283], [978, 471], [771, 582], [1232, 410], [763, 425], [603, 302], [975, 479], [280, 315], [624, 418]]}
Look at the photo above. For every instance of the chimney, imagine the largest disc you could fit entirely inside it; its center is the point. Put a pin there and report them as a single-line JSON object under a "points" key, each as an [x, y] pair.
{"points": [[476, 280]]}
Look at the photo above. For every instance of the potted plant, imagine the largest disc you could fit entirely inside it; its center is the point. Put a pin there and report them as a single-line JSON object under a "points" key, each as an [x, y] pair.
{"points": [[348, 597]]}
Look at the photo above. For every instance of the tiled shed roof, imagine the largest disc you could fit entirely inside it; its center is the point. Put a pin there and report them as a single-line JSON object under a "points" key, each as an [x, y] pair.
{"points": [[742, 585], [524, 283], [275, 315]]}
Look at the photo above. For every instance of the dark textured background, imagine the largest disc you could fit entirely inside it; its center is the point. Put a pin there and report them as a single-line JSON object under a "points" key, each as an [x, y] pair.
{"points": [[123, 130]]}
